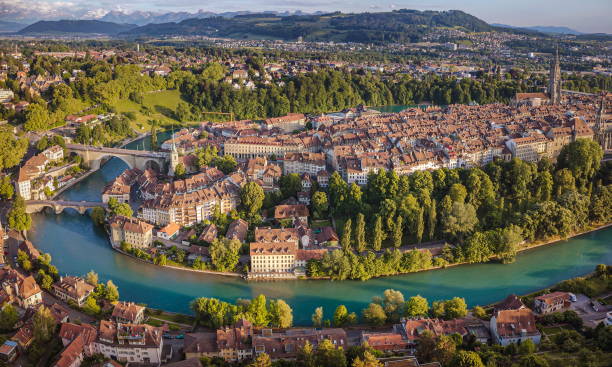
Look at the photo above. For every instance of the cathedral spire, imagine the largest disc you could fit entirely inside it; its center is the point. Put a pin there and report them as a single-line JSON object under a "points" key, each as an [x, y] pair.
{"points": [[554, 88]]}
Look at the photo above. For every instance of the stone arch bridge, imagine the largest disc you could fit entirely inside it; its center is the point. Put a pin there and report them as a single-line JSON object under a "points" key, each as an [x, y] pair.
{"points": [[35, 206], [141, 159]]}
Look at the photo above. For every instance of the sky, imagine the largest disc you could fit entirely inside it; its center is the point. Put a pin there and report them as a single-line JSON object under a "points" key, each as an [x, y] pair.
{"points": [[582, 15]]}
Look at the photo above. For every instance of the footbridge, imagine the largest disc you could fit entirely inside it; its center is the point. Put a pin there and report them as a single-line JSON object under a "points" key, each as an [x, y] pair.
{"points": [[35, 206], [141, 159]]}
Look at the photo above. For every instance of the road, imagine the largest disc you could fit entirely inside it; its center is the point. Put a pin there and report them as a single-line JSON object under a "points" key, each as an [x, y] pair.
{"points": [[585, 310]]}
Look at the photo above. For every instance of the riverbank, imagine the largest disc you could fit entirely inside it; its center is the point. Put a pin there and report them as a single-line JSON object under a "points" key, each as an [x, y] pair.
{"points": [[210, 272], [69, 185], [550, 241]]}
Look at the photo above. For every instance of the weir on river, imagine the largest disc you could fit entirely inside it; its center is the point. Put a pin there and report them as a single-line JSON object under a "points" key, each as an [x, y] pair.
{"points": [[77, 246]]}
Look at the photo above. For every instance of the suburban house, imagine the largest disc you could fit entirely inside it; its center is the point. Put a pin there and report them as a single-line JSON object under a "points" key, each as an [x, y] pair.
{"points": [[514, 326], [131, 230], [73, 289], [286, 344], [230, 343], [209, 234], [237, 230], [552, 302], [169, 231], [291, 212], [128, 313], [16, 288]]}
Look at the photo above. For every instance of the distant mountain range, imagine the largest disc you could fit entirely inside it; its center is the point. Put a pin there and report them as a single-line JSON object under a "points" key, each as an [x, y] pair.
{"points": [[10, 26], [396, 26], [146, 17], [76, 26], [544, 29], [383, 27]]}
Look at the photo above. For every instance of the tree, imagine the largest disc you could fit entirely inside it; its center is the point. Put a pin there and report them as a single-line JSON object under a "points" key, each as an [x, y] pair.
{"points": [[179, 170], [213, 71], [18, 219], [317, 317], [226, 164], [182, 111], [426, 346], [431, 220], [6, 188], [252, 197], [479, 312], [43, 324], [461, 220], [98, 215], [369, 360], [258, 311], [458, 193], [527, 347], [455, 308], [533, 360], [374, 314], [12, 149], [444, 350], [416, 306], [360, 238], [345, 241], [92, 278], [306, 355], [378, 235], [398, 231], [583, 158], [327, 355], [319, 204], [37, 118], [8, 317], [224, 254], [467, 359], [117, 208], [340, 316], [262, 360], [290, 185], [112, 292], [281, 314], [91, 307]]}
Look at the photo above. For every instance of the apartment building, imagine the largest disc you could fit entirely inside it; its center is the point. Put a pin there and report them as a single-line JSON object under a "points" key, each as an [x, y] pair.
{"points": [[514, 326], [232, 343], [131, 230], [551, 302], [250, 147], [72, 289], [304, 162], [287, 123], [530, 148], [128, 313], [273, 257], [130, 343]]}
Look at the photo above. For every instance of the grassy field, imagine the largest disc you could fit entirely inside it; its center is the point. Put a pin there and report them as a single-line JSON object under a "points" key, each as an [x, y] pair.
{"points": [[155, 106]]}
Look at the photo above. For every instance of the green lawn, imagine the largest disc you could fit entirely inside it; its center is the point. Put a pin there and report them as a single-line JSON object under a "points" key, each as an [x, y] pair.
{"points": [[160, 106]]}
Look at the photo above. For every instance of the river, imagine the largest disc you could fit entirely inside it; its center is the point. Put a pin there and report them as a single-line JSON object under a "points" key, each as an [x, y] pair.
{"points": [[77, 246]]}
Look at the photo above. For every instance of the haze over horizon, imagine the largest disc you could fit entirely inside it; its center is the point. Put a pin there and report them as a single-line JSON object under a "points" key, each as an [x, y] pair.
{"points": [[590, 16]]}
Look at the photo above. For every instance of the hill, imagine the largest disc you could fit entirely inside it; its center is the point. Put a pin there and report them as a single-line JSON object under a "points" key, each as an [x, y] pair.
{"points": [[76, 26], [397, 26]]}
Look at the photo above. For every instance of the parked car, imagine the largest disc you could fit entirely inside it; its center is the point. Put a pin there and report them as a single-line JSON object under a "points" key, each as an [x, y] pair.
{"points": [[572, 297]]}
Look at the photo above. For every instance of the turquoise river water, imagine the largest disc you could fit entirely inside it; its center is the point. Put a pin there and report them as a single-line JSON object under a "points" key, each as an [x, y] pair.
{"points": [[77, 246]]}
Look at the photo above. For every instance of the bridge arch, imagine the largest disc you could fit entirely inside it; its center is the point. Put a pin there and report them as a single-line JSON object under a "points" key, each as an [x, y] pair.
{"points": [[96, 163]]}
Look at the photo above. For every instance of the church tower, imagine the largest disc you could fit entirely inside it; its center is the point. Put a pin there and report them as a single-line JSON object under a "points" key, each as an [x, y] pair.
{"points": [[554, 88], [602, 135], [174, 160]]}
